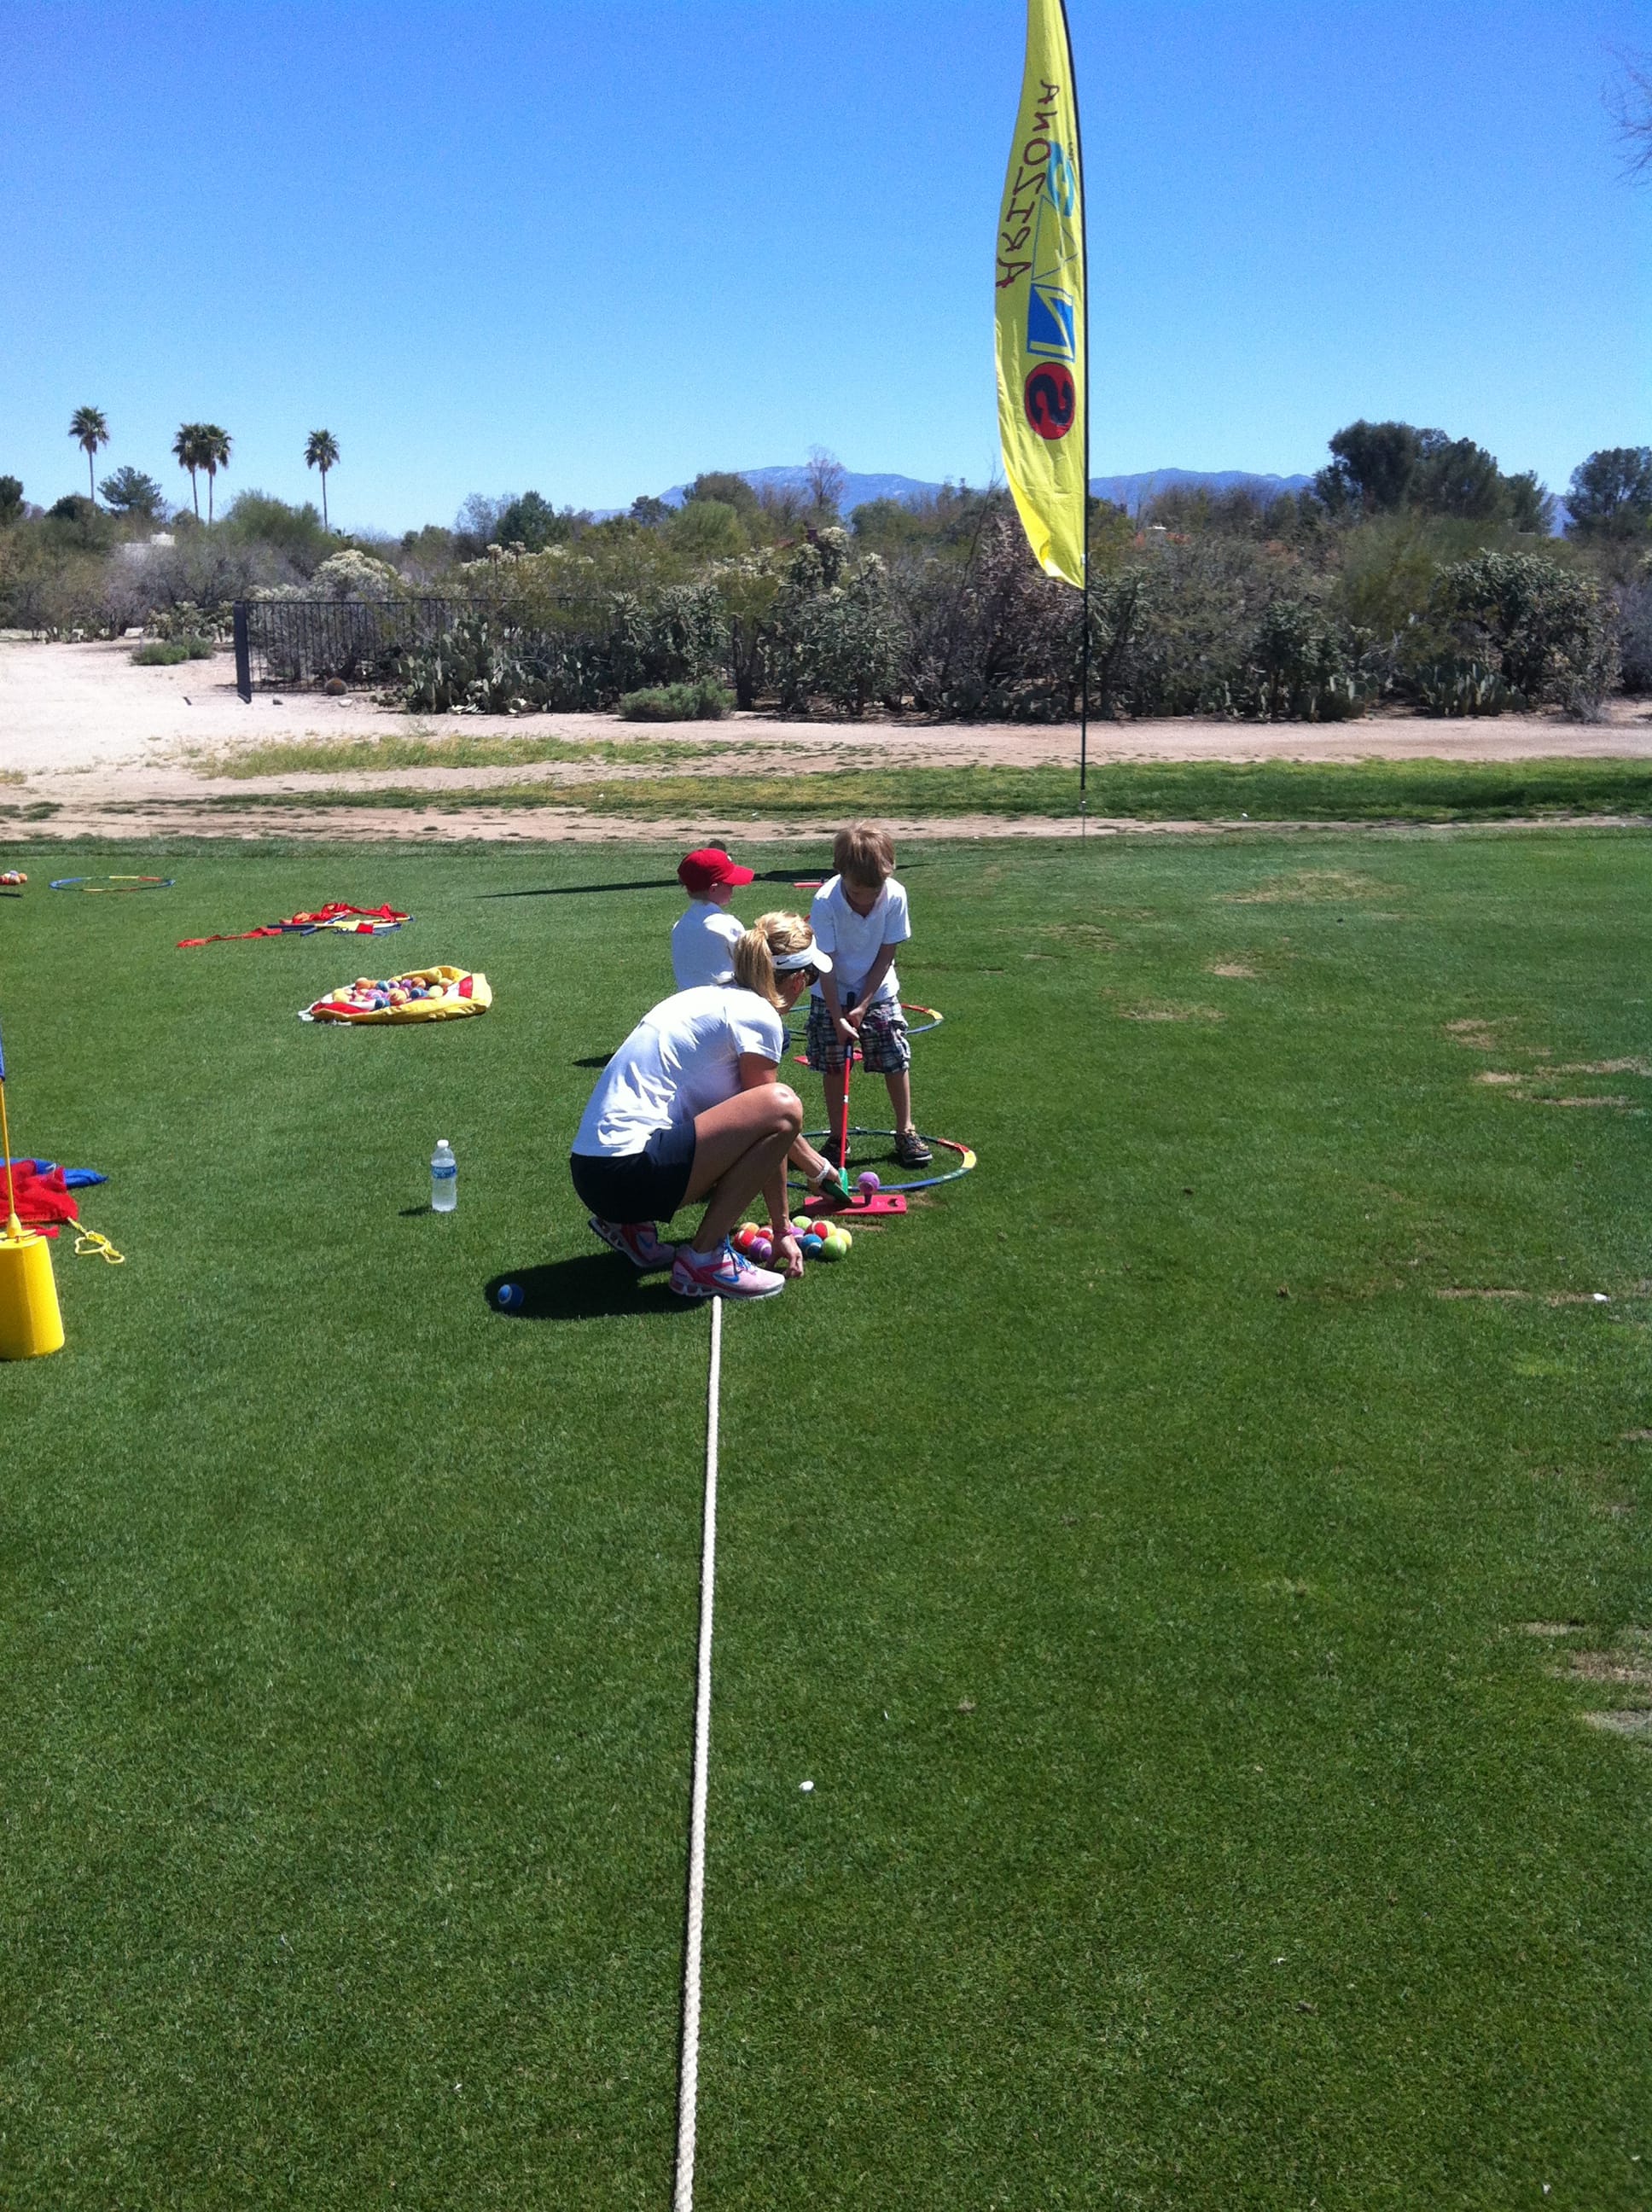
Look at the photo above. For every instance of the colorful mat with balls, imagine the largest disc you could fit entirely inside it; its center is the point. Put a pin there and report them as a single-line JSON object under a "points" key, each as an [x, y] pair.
{"points": [[423, 994]]}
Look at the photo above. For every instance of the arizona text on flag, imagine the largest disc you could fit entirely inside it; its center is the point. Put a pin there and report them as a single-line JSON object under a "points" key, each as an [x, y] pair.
{"points": [[1042, 373]]}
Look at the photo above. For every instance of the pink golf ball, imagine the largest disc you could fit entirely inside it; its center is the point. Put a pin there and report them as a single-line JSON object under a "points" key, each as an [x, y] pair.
{"points": [[868, 1182]]}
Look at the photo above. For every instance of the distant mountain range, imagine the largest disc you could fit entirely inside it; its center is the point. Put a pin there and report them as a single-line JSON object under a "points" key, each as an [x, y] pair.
{"points": [[858, 490], [1132, 493]]}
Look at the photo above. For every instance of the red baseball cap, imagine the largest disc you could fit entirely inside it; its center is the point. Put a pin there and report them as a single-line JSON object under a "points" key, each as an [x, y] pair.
{"points": [[698, 871]]}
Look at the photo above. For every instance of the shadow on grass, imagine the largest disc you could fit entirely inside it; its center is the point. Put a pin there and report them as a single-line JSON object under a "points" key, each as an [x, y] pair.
{"points": [[661, 884], [595, 1284], [583, 890]]}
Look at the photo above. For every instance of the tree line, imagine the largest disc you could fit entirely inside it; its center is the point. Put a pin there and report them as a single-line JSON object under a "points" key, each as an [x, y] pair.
{"points": [[1413, 573]]}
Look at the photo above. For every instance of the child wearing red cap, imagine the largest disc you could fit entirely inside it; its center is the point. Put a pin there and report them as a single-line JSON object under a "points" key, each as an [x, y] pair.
{"points": [[705, 935]]}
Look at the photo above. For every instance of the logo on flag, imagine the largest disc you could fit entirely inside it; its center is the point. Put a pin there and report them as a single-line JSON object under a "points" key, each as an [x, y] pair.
{"points": [[1042, 373]]}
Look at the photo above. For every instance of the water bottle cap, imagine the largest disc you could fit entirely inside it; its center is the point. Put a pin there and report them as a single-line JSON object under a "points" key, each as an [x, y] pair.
{"points": [[441, 1144]]}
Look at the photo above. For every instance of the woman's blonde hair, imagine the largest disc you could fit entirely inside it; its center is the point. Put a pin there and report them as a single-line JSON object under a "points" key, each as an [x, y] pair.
{"points": [[754, 956]]}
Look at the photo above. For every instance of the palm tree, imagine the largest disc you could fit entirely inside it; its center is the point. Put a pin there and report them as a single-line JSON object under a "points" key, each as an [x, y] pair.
{"points": [[215, 455], [187, 450], [88, 429], [322, 453]]}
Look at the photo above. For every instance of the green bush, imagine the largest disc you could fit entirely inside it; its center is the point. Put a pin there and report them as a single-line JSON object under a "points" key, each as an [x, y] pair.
{"points": [[1458, 685], [1543, 630], [169, 652], [704, 702]]}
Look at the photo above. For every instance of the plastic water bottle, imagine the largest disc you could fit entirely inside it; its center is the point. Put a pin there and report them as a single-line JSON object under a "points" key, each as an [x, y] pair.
{"points": [[444, 1178]]}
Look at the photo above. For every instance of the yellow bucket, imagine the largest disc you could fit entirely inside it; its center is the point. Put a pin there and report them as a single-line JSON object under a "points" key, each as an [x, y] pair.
{"points": [[30, 1323]]}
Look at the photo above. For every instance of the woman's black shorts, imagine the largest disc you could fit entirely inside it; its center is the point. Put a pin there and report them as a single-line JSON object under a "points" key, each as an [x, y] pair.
{"points": [[645, 1186]]}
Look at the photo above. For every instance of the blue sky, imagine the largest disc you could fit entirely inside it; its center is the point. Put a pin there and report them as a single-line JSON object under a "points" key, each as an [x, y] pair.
{"points": [[592, 249]]}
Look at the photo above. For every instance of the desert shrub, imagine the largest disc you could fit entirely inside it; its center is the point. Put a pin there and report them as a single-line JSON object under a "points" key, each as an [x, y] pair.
{"points": [[1386, 568], [1229, 627], [680, 637], [187, 625], [1634, 601], [254, 518], [355, 575], [706, 530], [425, 555], [1541, 628], [726, 487], [745, 591], [1298, 667], [1241, 511], [838, 634], [704, 702], [1457, 684], [191, 585], [989, 634], [170, 652], [68, 597], [530, 523], [476, 668]]}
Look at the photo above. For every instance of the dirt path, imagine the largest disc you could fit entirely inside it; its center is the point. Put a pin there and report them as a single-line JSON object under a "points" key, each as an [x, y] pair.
{"points": [[113, 750]]}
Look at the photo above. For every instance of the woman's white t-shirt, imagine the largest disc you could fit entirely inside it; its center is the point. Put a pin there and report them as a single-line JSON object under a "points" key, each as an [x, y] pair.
{"points": [[703, 938], [679, 1059], [854, 940]]}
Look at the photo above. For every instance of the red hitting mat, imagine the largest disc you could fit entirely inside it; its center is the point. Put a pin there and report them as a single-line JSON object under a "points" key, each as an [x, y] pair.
{"points": [[336, 915], [862, 1205]]}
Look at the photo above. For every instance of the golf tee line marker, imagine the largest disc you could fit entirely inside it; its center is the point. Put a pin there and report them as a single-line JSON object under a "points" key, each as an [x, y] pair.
{"points": [[688, 2090]]}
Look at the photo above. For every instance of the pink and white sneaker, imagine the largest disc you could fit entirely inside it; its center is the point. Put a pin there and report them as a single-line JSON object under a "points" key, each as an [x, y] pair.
{"points": [[724, 1273], [637, 1241]]}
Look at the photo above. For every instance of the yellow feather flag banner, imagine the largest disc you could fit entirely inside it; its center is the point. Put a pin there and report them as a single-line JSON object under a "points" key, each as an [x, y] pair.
{"points": [[1042, 365]]}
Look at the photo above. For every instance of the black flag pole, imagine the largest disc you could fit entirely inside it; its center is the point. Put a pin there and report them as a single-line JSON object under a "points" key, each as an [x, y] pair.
{"points": [[1084, 293]]}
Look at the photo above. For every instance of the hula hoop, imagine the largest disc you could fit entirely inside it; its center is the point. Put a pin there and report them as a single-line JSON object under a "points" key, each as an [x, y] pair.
{"points": [[934, 1018], [966, 1154], [114, 883]]}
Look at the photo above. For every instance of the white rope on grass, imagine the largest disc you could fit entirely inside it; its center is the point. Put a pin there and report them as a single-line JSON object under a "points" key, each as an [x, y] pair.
{"points": [[688, 2091]]}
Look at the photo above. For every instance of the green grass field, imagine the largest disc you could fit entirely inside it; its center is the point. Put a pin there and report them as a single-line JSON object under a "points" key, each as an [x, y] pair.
{"points": [[1136, 1546], [1423, 791]]}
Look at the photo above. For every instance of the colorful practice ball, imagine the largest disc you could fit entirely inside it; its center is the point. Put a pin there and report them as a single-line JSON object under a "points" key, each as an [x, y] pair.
{"points": [[833, 1247], [842, 1236], [869, 1182], [810, 1245], [760, 1249], [746, 1236]]}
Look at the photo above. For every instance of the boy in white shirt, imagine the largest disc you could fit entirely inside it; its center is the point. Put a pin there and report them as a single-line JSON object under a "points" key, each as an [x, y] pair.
{"points": [[858, 918], [705, 935]]}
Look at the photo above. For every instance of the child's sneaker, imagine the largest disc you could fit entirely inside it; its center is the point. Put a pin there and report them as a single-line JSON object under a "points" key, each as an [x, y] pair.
{"points": [[637, 1241], [911, 1151], [724, 1273]]}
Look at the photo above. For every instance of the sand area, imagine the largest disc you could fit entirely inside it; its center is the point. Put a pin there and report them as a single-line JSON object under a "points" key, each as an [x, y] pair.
{"points": [[114, 750]]}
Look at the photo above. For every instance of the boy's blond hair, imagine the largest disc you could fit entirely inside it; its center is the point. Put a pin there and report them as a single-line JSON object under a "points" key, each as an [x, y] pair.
{"points": [[864, 854]]}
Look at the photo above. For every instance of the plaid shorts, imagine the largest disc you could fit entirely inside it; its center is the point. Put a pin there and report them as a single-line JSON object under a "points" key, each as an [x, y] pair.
{"points": [[883, 1046]]}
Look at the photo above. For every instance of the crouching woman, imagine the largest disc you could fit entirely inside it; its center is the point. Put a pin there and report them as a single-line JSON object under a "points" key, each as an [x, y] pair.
{"points": [[689, 1109]]}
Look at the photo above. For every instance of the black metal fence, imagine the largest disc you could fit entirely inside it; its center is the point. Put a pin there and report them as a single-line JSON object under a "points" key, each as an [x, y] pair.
{"points": [[293, 643]]}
